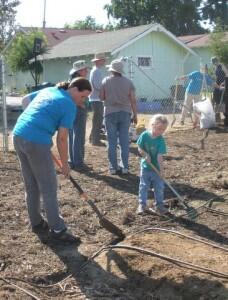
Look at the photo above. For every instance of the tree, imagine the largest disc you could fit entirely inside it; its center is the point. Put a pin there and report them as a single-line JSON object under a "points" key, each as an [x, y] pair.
{"points": [[88, 23], [219, 45], [215, 10], [178, 16], [20, 55], [7, 20]]}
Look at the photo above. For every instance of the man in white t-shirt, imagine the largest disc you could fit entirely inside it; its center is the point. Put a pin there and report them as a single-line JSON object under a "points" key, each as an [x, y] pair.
{"points": [[96, 76]]}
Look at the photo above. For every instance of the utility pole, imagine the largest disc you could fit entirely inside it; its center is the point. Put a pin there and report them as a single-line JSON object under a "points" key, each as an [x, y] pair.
{"points": [[4, 106], [36, 51], [44, 21]]}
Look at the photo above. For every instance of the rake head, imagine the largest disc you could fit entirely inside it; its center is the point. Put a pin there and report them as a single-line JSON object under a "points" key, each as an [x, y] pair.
{"points": [[192, 213]]}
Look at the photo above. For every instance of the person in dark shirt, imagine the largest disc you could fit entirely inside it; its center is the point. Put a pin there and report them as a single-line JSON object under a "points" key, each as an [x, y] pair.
{"points": [[219, 79]]}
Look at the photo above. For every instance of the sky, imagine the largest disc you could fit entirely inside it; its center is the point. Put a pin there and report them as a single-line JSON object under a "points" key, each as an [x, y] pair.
{"points": [[59, 12]]}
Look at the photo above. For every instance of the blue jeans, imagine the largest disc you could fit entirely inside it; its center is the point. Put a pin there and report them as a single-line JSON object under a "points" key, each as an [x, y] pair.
{"points": [[117, 127], [77, 138], [147, 178]]}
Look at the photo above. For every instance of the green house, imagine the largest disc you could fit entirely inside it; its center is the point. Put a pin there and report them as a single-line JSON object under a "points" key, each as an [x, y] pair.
{"points": [[152, 55]]}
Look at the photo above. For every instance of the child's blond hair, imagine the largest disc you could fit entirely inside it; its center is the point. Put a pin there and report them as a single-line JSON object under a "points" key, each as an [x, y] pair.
{"points": [[159, 118]]}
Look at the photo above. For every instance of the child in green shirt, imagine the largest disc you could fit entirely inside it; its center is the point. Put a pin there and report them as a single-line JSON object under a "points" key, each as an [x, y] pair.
{"points": [[152, 146]]}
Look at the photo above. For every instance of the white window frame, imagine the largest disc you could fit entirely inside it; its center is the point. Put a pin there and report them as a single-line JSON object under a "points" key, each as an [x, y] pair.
{"points": [[145, 56]]}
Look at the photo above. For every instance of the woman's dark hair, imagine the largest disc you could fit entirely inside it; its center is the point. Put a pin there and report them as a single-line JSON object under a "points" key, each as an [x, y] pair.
{"points": [[80, 82]]}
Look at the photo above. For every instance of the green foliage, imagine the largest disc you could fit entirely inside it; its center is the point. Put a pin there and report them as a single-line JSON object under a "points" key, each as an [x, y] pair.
{"points": [[219, 45], [181, 17], [7, 20], [215, 10], [88, 23], [178, 16], [20, 56]]}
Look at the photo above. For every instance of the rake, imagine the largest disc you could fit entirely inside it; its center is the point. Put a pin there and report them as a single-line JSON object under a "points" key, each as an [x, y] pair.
{"points": [[105, 223], [191, 211]]}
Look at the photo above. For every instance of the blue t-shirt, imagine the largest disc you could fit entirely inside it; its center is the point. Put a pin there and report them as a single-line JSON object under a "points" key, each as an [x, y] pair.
{"points": [[153, 146], [50, 109], [196, 81]]}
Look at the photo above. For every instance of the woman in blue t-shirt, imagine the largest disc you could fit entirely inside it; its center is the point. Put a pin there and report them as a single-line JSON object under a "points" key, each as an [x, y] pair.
{"points": [[51, 110]]}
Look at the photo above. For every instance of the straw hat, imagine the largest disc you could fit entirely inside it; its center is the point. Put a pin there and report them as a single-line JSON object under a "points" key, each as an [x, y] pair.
{"points": [[214, 60], [98, 56], [116, 66], [77, 66]]}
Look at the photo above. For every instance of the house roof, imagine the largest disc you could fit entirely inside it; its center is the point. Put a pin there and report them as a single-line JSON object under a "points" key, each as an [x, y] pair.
{"points": [[111, 41], [197, 41], [58, 35]]}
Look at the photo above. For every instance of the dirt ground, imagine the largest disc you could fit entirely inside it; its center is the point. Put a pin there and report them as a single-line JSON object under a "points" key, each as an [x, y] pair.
{"points": [[160, 259]]}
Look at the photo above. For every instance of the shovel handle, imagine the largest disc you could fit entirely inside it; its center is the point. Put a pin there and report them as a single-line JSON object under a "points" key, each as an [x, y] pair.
{"points": [[76, 185], [82, 194], [85, 197]]}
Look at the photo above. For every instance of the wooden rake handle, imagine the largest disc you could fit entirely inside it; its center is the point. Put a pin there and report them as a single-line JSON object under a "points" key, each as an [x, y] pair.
{"points": [[182, 201]]}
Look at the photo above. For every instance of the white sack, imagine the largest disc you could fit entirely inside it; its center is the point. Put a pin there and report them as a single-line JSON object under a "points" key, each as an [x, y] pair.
{"points": [[207, 114]]}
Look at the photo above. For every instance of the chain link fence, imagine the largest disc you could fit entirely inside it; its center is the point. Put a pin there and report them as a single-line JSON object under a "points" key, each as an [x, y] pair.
{"points": [[167, 94]]}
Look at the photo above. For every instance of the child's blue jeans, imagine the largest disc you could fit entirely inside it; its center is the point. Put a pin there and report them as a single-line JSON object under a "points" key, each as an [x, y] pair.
{"points": [[148, 177]]}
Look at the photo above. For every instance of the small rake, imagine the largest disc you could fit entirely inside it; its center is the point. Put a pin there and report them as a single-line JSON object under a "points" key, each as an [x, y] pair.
{"points": [[105, 223], [191, 211]]}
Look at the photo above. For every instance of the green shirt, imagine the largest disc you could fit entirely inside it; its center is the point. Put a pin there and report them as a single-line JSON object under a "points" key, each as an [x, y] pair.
{"points": [[152, 146]]}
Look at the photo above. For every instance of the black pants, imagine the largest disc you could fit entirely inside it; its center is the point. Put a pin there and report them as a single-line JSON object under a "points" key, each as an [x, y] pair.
{"points": [[217, 94], [225, 100]]}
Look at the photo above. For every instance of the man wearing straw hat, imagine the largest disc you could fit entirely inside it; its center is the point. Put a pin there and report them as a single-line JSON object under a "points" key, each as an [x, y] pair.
{"points": [[96, 76]]}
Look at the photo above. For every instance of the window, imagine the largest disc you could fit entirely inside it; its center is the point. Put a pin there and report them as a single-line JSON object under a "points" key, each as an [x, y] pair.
{"points": [[145, 61]]}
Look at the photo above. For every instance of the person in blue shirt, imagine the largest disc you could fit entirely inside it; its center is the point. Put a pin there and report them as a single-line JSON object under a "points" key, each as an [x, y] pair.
{"points": [[152, 147], [197, 80], [50, 110]]}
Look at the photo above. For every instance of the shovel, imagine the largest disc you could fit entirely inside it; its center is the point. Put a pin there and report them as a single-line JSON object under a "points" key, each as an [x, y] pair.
{"points": [[105, 223], [190, 210]]}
